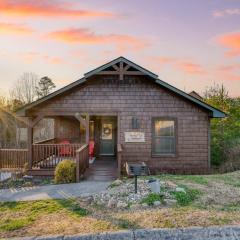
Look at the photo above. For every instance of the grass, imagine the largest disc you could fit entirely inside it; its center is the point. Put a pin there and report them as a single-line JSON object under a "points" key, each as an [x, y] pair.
{"points": [[203, 180], [186, 198], [17, 215], [14, 224], [51, 217], [151, 198]]}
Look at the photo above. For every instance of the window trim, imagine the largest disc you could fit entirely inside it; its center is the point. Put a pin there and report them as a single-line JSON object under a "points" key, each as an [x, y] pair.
{"points": [[154, 154]]}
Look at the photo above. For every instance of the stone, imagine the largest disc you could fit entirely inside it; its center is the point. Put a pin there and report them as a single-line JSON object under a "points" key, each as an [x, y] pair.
{"points": [[170, 202], [144, 205], [116, 183], [88, 200], [179, 189], [135, 206], [157, 203], [171, 184], [122, 205], [111, 203]]}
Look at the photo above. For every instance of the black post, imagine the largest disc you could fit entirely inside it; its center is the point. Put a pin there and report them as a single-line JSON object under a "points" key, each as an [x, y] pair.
{"points": [[135, 183]]}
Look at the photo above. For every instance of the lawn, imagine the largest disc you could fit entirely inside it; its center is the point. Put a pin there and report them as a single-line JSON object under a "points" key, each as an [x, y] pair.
{"points": [[209, 200]]}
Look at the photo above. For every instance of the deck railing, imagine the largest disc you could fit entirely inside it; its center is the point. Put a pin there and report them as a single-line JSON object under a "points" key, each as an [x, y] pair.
{"points": [[13, 158], [119, 158], [82, 161], [49, 155]]}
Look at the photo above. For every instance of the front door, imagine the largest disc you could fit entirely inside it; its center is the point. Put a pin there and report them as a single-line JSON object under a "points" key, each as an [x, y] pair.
{"points": [[107, 137]]}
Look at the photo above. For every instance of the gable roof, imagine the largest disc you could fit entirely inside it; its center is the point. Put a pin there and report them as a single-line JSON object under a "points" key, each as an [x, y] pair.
{"points": [[215, 112]]}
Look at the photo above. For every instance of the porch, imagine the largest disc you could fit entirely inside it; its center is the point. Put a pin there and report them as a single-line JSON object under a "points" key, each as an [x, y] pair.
{"points": [[72, 135]]}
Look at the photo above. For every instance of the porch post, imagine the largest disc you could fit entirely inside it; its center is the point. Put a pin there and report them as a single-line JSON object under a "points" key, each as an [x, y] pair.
{"points": [[29, 143], [87, 128]]}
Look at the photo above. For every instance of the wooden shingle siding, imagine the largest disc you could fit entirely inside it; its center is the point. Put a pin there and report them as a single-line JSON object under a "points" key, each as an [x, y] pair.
{"points": [[141, 98]]}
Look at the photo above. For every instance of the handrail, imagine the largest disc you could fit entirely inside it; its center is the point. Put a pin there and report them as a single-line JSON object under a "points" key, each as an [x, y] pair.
{"points": [[82, 161], [45, 141]]}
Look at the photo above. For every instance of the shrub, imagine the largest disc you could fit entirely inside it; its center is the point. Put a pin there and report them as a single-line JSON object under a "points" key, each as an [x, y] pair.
{"points": [[65, 172], [184, 199], [151, 198]]}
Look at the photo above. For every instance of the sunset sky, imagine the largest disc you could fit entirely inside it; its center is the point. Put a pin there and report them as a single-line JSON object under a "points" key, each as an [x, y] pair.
{"points": [[189, 44]]}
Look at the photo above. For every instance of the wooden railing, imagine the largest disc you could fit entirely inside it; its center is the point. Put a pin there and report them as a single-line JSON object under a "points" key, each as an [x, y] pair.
{"points": [[82, 161], [49, 155], [13, 158], [119, 158]]}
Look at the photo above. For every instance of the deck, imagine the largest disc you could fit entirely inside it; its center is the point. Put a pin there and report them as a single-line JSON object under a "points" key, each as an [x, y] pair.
{"points": [[103, 169]]}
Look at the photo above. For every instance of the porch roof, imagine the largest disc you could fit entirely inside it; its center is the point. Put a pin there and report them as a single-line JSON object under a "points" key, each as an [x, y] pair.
{"points": [[216, 113]]}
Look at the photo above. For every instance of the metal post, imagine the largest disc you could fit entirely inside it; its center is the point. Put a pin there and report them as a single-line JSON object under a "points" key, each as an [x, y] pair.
{"points": [[135, 183]]}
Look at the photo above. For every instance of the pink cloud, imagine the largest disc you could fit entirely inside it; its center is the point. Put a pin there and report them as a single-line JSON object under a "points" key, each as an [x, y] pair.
{"points": [[186, 66], [86, 36], [31, 57], [225, 12], [231, 41], [15, 29], [46, 8], [191, 68]]}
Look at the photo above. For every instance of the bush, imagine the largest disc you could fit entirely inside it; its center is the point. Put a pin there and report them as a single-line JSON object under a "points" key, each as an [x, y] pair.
{"points": [[65, 172], [184, 199], [151, 198]]}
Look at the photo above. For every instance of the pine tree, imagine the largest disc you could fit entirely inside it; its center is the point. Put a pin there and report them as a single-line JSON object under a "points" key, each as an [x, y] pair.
{"points": [[45, 86]]}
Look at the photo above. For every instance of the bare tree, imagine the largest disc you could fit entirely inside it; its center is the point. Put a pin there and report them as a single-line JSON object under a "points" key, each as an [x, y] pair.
{"points": [[25, 87]]}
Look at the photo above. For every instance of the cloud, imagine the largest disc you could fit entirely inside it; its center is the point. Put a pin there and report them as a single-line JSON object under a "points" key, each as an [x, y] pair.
{"points": [[46, 8], [228, 68], [16, 29], [86, 36], [228, 72], [230, 41], [186, 66], [30, 57], [191, 68], [226, 12]]}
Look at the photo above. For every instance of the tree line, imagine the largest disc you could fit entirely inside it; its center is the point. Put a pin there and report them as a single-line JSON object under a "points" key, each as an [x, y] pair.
{"points": [[28, 88]]}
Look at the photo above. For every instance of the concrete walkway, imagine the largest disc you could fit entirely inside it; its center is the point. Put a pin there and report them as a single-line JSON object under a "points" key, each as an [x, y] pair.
{"points": [[60, 191]]}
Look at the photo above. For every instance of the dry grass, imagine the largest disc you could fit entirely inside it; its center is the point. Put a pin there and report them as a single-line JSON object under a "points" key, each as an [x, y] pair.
{"points": [[218, 204]]}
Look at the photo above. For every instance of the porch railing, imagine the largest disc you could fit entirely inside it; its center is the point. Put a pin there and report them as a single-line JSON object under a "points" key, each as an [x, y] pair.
{"points": [[82, 161], [13, 158], [49, 155]]}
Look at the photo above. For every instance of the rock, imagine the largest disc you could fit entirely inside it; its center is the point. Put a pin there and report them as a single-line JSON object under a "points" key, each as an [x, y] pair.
{"points": [[179, 189], [122, 205], [88, 200], [171, 184], [135, 206], [144, 205], [111, 203], [170, 202], [116, 183], [157, 203]]}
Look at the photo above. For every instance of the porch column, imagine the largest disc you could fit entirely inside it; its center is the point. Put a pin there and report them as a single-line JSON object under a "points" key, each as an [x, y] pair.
{"points": [[87, 128], [29, 143]]}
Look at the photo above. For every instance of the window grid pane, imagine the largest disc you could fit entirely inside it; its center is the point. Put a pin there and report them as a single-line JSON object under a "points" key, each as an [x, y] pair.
{"points": [[164, 137], [164, 128]]}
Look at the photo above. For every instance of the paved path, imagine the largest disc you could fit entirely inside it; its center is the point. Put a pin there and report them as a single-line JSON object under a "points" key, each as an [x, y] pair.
{"points": [[60, 191]]}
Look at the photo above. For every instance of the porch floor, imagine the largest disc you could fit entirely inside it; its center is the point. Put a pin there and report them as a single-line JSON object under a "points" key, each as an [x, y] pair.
{"points": [[103, 169]]}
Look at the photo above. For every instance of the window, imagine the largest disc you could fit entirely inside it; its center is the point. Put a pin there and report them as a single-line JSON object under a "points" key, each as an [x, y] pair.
{"points": [[163, 136]]}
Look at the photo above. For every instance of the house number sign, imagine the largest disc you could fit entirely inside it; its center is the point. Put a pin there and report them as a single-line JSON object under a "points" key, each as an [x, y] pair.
{"points": [[136, 137]]}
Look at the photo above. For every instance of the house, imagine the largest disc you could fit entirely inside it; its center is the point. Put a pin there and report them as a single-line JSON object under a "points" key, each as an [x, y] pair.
{"points": [[130, 115]]}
